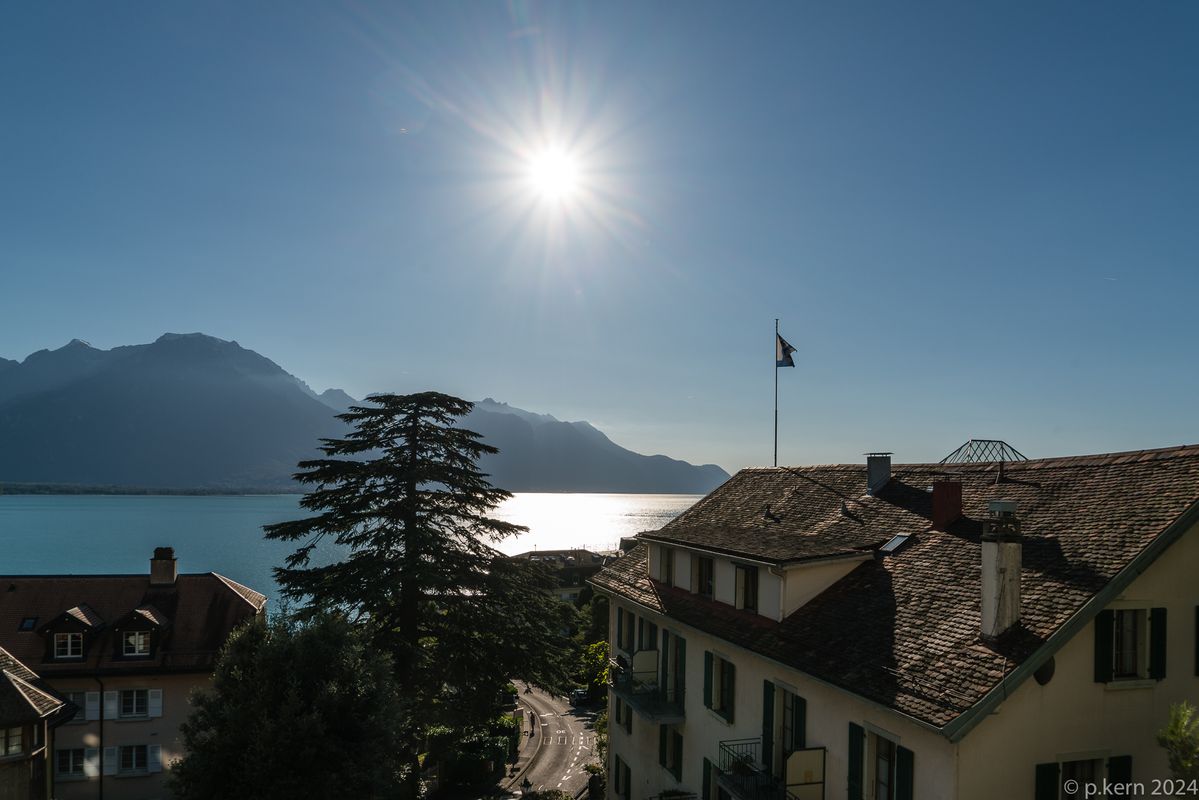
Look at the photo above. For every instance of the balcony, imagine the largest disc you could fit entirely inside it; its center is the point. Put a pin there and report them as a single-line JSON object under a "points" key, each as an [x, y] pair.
{"points": [[639, 686], [743, 775]]}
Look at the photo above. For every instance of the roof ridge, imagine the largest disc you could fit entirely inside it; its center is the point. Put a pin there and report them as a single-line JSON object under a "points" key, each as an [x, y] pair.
{"points": [[25, 688], [255, 599]]}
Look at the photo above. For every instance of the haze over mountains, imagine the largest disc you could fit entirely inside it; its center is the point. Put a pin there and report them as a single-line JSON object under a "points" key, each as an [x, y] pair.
{"points": [[191, 411]]}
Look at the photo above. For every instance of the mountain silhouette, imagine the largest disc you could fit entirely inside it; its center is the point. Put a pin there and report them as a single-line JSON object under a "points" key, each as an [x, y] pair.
{"points": [[191, 411]]}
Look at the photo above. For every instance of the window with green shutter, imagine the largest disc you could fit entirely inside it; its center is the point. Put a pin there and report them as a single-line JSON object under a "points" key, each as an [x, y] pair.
{"points": [[768, 724], [707, 679], [1104, 623], [1047, 781], [905, 773], [1157, 643], [1119, 769], [857, 741]]}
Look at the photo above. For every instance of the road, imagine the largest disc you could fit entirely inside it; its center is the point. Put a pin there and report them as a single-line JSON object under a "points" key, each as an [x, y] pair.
{"points": [[567, 742]]}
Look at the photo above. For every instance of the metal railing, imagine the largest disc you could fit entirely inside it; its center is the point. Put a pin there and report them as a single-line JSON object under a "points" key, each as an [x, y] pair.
{"points": [[642, 691], [743, 774]]}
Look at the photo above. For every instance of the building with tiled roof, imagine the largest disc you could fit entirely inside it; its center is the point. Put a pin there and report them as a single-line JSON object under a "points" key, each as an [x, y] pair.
{"points": [[971, 630], [126, 650], [572, 568], [29, 709]]}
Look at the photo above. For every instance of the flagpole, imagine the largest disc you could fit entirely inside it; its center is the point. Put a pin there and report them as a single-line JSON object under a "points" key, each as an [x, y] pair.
{"points": [[776, 392]]}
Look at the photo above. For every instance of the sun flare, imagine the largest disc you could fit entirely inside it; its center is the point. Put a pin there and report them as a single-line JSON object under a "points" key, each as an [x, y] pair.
{"points": [[554, 175]]}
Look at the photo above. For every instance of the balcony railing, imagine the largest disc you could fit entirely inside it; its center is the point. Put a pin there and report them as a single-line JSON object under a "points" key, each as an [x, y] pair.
{"points": [[642, 691], [743, 775]]}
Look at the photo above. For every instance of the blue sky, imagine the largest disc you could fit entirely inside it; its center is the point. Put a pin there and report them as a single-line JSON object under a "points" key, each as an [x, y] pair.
{"points": [[974, 220]]}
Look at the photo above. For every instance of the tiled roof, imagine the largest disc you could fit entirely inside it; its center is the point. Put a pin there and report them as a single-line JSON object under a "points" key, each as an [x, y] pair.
{"points": [[197, 614], [21, 698], [903, 630], [86, 615]]}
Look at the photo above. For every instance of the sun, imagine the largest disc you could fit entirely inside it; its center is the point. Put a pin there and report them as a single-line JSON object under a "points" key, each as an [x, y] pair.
{"points": [[554, 174]]}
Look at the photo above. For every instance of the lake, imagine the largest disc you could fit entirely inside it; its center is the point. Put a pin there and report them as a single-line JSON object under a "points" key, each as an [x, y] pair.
{"points": [[94, 534]]}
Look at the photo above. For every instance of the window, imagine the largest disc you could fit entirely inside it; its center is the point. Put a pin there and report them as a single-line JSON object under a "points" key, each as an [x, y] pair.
{"points": [[80, 701], [889, 768], [666, 565], [1083, 773], [884, 768], [135, 643], [621, 778], [11, 741], [69, 763], [68, 645], [670, 750], [1052, 778], [27, 624], [747, 587], [624, 715], [1130, 644], [626, 633], [133, 758], [720, 681], [135, 703], [702, 576], [648, 635]]}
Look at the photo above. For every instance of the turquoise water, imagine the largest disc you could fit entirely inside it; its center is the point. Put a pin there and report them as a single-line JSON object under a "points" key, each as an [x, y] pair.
{"points": [[62, 534]]}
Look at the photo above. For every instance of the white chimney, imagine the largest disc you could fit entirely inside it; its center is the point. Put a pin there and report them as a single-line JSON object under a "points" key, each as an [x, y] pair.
{"points": [[1001, 569], [878, 471]]}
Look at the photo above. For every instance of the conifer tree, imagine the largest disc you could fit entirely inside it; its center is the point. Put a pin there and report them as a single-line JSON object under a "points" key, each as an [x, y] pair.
{"points": [[404, 498]]}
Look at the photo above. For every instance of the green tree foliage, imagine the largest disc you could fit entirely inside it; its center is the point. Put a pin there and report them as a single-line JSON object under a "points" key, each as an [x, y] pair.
{"points": [[593, 669], [593, 620], [403, 495], [295, 710], [1180, 738]]}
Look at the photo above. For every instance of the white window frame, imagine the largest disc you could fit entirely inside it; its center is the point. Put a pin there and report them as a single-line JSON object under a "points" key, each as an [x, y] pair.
{"points": [[1139, 645], [133, 751], [76, 767], [13, 741], [79, 698], [721, 702], [66, 645], [141, 647], [134, 695], [1082, 772]]}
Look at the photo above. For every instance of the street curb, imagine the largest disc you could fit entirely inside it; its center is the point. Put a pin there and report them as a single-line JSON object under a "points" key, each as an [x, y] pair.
{"points": [[512, 782]]}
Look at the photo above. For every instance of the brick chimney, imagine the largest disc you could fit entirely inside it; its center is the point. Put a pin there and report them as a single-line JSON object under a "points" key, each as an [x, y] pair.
{"points": [[878, 471], [163, 567], [947, 502], [1001, 546]]}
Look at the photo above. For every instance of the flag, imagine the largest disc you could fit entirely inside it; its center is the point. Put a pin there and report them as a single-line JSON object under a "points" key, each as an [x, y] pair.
{"points": [[782, 353]]}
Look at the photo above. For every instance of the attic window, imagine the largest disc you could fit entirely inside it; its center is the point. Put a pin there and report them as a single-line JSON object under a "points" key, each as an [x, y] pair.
{"points": [[28, 624], [896, 542]]}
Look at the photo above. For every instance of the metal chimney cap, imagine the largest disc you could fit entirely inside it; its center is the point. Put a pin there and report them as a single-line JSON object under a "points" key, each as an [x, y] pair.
{"points": [[1002, 507], [872, 455]]}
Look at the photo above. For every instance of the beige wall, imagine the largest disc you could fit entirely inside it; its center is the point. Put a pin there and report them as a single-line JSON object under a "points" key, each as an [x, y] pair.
{"points": [[1072, 717], [163, 731], [829, 712]]}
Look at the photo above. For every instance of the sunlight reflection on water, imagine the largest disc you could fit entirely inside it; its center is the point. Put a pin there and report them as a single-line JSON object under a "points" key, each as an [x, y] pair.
{"points": [[592, 521]]}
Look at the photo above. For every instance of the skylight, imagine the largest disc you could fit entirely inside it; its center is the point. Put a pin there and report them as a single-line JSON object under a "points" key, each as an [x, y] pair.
{"points": [[895, 543]]}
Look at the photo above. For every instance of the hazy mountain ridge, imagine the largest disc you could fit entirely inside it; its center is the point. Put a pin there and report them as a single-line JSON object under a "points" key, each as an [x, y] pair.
{"points": [[193, 411]]}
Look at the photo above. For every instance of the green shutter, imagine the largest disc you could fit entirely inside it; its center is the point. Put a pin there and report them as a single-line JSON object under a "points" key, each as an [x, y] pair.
{"points": [[662, 734], [681, 669], [799, 722], [664, 661], [729, 671], [677, 768], [707, 679], [619, 627], [857, 736], [1197, 640], [707, 781], [1119, 769], [1157, 643], [768, 724], [1103, 647], [1048, 775], [904, 773], [640, 634]]}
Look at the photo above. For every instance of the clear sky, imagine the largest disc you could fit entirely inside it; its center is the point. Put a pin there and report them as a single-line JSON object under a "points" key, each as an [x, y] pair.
{"points": [[973, 219]]}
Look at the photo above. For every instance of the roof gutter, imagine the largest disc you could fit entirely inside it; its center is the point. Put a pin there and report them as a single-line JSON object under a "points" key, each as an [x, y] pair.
{"points": [[859, 555], [965, 722]]}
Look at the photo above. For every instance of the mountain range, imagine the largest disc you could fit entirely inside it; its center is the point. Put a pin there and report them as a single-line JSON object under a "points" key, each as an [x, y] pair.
{"points": [[190, 411]]}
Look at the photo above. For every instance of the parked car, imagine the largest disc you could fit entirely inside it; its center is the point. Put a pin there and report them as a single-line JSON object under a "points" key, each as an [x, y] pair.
{"points": [[578, 697]]}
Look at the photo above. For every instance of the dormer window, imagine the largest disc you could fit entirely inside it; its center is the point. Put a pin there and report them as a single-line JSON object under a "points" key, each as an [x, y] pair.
{"points": [[68, 645], [747, 587], [135, 644]]}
